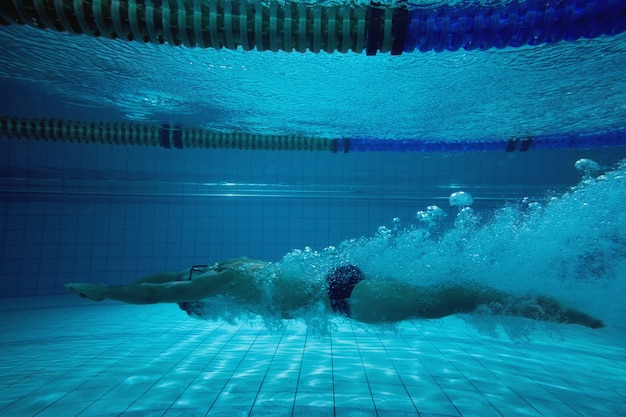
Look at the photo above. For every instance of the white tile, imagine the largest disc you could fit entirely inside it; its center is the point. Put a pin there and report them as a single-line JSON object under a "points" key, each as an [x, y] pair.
{"points": [[454, 383], [551, 408], [193, 398], [511, 404], [229, 411], [392, 397], [321, 382], [120, 357], [315, 399], [486, 382], [530, 389], [235, 399], [356, 399], [314, 411], [618, 408], [575, 398], [30, 406], [239, 385], [284, 399], [109, 406], [349, 373], [64, 409], [430, 399], [471, 403], [383, 376], [270, 411], [186, 412], [86, 394]]}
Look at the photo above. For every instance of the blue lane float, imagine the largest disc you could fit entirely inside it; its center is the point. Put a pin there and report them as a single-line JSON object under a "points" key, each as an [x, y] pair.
{"points": [[609, 139]]}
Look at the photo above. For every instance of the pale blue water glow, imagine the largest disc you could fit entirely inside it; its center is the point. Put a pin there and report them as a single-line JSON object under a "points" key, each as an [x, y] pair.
{"points": [[477, 95], [538, 223]]}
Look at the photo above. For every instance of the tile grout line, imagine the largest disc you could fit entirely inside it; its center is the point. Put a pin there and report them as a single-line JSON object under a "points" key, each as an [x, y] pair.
{"points": [[214, 330], [369, 386], [236, 367], [206, 365], [332, 371], [306, 338], [430, 373], [398, 373], [78, 387], [268, 368]]}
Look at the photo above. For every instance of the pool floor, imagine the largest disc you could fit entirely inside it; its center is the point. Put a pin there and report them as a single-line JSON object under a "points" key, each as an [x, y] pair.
{"points": [[62, 356]]}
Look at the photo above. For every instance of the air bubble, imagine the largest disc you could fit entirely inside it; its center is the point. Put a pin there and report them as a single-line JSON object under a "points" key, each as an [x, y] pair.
{"points": [[431, 217], [331, 250], [466, 218], [461, 199], [588, 167], [383, 231]]}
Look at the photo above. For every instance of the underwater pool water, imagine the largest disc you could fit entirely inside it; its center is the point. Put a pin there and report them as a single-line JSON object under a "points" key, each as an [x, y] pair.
{"points": [[67, 356], [538, 222], [564, 88]]}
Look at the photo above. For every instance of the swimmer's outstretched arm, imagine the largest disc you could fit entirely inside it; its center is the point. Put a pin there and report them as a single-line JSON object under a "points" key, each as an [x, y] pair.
{"points": [[388, 301], [543, 308]]}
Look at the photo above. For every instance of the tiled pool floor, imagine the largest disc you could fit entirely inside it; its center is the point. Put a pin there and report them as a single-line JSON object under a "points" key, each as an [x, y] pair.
{"points": [[63, 356]]}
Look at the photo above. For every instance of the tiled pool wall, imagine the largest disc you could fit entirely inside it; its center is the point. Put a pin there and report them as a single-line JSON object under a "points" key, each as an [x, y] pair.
{"points": [[74, 212]]}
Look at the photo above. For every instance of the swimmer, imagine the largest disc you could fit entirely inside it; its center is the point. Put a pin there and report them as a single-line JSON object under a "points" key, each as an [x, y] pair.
{"points": [[345, 291]]}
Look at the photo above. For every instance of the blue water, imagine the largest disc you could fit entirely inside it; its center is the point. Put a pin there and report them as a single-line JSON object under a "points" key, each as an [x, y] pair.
{"points": [[476, 95], [528, 230], [368, 210], [536, 223], [571, 245]]}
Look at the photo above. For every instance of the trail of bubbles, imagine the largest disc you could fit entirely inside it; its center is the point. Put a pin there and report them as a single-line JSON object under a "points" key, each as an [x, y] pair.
{"points": [[571, 246]]}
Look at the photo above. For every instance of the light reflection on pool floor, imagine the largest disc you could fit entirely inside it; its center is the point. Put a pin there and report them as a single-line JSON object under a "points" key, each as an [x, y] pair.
{"points": [[69, 357]]}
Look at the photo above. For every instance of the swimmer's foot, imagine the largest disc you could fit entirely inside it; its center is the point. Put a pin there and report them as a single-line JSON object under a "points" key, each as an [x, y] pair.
{"points": [[93, 292]]}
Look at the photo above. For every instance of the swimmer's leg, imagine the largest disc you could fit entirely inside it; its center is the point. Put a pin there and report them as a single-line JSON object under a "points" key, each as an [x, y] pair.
{"points": [[158, 278], [141, 293], [392, 301], [203, 286], [98, 292], [94, 292]]}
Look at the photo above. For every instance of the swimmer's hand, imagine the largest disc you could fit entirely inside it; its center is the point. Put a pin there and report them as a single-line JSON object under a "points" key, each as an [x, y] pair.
{"points": [[551, 308], [577, 317], [93, 292]]}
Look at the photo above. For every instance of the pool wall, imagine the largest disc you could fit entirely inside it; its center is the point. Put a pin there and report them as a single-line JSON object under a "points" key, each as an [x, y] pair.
{"points": [[104, 213]]}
